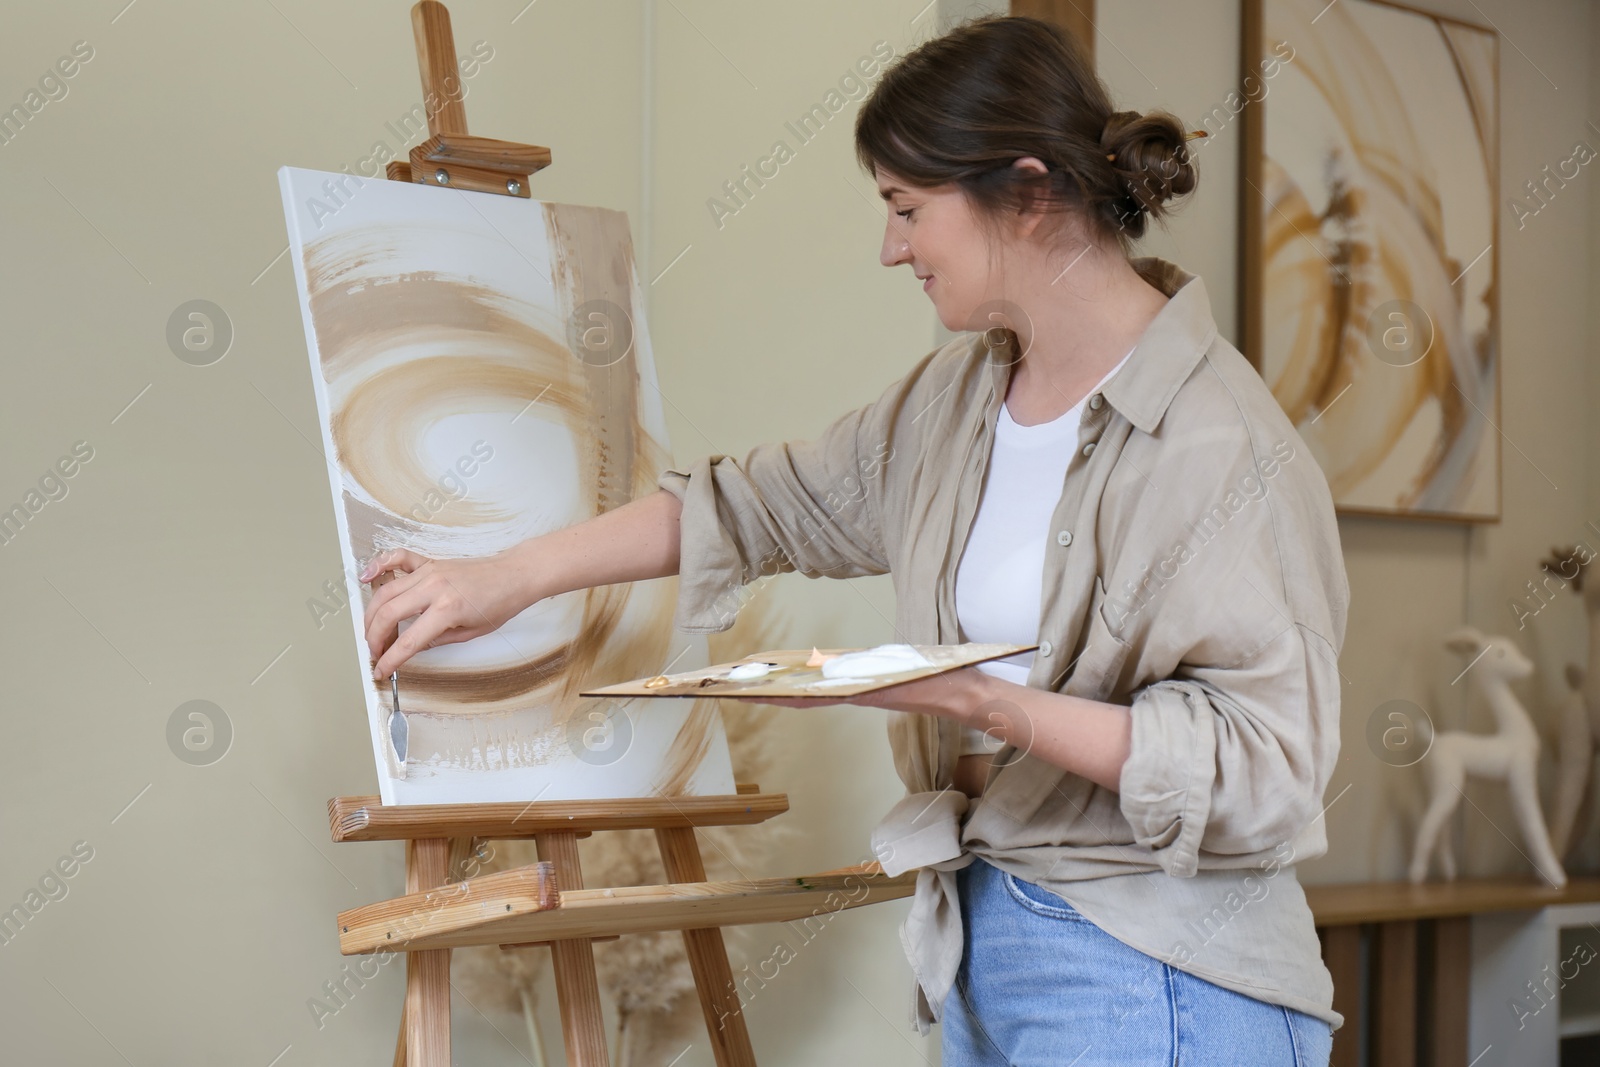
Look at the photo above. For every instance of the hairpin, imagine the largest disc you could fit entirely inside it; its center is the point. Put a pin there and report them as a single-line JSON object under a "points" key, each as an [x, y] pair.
{"points": [[1187, 137]]}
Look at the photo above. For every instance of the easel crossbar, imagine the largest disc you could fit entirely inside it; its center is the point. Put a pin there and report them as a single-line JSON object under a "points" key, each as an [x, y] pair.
{"points": [[365, 818], [502, 908]]}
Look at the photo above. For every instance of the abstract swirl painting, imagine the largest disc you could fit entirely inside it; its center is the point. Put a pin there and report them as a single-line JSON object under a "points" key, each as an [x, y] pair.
{"points": [[1369, 296], [483, 375]]}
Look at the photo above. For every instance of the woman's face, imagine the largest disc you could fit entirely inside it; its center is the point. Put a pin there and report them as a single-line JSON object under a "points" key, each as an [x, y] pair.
{"points": [[935, 231]]}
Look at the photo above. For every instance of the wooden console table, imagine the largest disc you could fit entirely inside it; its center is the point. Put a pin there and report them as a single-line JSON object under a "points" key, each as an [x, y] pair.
{"points": [[1418, 1005]]}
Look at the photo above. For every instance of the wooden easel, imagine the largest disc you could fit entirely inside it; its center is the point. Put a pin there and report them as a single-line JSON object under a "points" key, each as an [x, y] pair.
{"points": [[546, 903]]}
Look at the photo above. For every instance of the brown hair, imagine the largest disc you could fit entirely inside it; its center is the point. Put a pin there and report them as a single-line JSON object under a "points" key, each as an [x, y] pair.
{"points": [[964, 106]]}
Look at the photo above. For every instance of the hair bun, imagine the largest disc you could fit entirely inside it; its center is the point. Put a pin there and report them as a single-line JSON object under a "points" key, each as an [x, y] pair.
{"points": [[1150, 154], [1115, 124]]}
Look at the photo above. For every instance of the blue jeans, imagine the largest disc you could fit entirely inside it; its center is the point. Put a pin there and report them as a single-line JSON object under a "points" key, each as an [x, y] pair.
{"points": [[1040, 985]]}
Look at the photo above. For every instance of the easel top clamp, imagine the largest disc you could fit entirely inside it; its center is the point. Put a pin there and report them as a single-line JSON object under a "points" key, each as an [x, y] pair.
{"points": [[451, 156], [545, 903]]}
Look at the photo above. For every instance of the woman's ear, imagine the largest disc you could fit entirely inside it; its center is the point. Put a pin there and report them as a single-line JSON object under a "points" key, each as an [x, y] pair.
{"points": [[1033, 177]]}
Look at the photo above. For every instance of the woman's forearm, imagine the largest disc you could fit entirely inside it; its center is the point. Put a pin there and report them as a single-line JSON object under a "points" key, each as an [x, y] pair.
{"points": [[1087, 738], [636, 541]]}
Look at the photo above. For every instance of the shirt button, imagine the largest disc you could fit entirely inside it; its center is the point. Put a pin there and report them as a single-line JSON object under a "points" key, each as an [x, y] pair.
{"points": [[1045, 648], [1088, 449], [1064, 538], [1095, 402]]}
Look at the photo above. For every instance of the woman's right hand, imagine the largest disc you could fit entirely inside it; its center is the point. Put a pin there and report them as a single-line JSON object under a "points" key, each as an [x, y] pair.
{"points": [[454, 600], [449, 601]]}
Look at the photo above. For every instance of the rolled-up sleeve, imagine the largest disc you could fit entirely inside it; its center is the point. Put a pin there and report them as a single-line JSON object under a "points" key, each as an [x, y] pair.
{"points": [[808, 506], [1235, 759]]}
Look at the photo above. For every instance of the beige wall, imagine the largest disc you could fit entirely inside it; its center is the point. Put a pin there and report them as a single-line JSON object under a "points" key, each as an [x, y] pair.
{"points": [[179, 564]]}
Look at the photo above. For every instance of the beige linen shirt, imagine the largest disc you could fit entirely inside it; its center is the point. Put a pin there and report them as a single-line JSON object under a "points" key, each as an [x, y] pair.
{"points": [[1194, 574]]}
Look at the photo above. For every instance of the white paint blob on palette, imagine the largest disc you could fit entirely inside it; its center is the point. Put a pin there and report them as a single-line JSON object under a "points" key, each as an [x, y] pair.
{"points": [[483, 375]]}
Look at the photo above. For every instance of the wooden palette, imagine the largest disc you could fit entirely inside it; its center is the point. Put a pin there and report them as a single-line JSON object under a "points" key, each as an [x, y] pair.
{"points": [[792, 678]]}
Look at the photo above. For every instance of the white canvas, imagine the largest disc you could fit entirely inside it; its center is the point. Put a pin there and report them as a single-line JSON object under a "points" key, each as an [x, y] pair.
{"points": [[483, 375]]}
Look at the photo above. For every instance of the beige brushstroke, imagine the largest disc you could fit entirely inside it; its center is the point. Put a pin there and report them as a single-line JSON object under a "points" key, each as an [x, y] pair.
{"points": [[592, 259], [688, 750], [381, 420], [1473, 54]]}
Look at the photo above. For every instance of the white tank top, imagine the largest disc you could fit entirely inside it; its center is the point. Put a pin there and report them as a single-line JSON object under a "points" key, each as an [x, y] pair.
{"points": [[999, 579]]}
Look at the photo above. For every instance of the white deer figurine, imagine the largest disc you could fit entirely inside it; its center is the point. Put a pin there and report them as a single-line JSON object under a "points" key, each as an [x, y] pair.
{"points": [[1511, 754]]}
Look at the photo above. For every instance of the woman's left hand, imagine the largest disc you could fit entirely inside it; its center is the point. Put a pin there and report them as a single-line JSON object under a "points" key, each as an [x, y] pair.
{"points": [[951, 695]]}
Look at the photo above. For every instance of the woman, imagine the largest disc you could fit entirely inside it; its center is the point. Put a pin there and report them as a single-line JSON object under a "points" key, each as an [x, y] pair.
{"points": [[1105, 828]]}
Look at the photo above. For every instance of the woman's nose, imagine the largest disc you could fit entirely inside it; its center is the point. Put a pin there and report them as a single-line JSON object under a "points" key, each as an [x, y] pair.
{"points": [[896, 249]]}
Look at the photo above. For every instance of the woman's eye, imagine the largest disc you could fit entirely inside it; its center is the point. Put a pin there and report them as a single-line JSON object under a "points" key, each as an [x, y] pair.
{"points": [[906, 214]]}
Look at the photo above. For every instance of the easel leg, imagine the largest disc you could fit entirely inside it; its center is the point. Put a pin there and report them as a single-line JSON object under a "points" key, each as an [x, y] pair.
{"points": [[708, 957], [426, 1019], [577, 989]]}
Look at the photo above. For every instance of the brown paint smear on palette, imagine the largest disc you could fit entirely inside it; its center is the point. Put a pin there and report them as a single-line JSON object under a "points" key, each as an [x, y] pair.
{"points": [[410, 350]]}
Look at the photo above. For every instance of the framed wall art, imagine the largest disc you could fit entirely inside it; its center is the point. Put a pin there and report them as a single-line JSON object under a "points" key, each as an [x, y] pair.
{"points": [[1369, 296]]}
